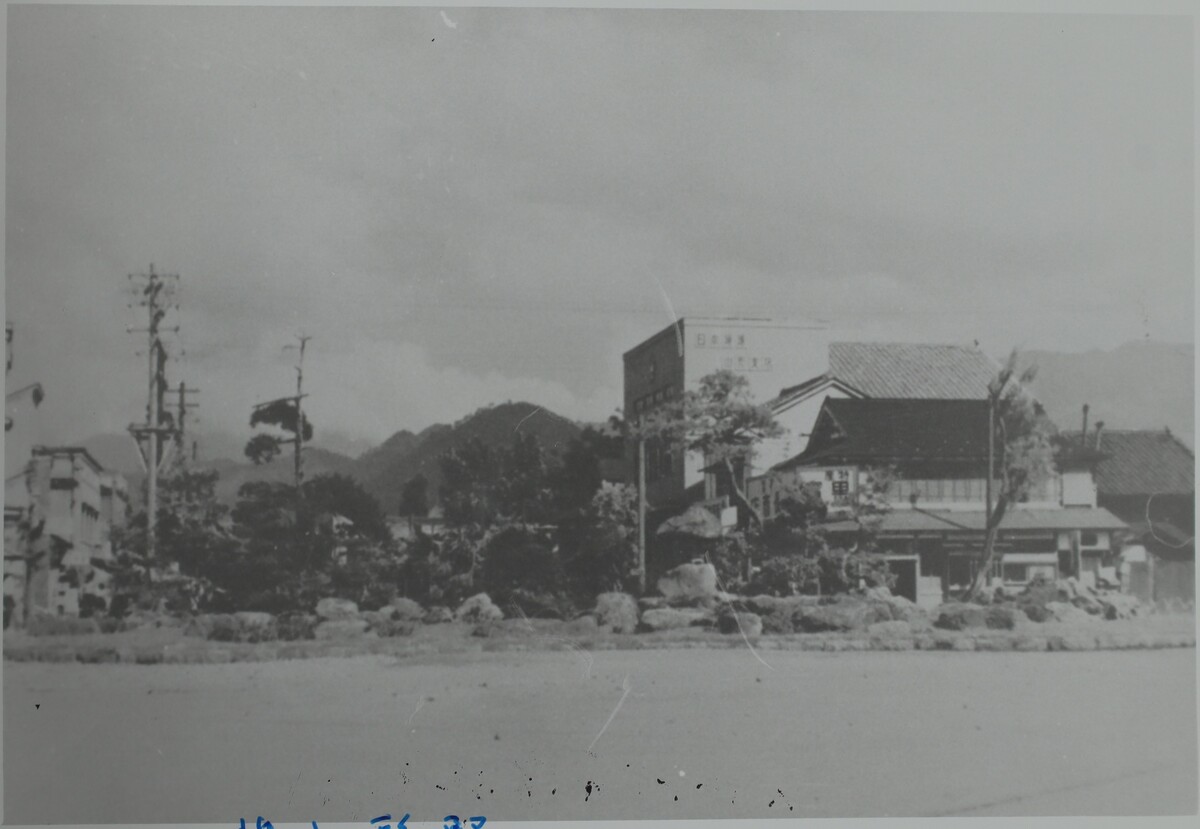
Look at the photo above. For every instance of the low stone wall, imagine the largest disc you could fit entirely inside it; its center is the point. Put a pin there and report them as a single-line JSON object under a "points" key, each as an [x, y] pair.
{"points": [[170, 647]]}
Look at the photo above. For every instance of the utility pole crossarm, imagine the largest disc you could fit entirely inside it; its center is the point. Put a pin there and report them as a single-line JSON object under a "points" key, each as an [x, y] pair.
{"points": [[153, 431]]}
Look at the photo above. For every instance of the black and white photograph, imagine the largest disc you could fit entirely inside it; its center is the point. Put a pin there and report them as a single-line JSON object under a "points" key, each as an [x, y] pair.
{"points": [[443, 416]]}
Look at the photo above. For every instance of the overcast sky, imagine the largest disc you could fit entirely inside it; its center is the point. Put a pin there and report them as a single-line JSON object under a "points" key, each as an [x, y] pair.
{"points": [[470, 206]]}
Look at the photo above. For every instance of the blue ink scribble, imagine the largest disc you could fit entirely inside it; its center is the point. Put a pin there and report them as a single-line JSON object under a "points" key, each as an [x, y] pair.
{"points": [[402, 823]]}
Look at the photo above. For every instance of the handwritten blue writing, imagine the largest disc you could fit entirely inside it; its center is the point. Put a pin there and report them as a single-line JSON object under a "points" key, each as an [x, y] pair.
{"points": [[453, 822], [385, 822]]}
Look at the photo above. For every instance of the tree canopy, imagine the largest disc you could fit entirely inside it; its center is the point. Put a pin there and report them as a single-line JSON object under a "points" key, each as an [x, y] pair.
{"points": [[720, 421]]}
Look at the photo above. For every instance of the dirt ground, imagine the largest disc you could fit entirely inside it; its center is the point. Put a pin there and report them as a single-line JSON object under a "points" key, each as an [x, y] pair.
{"points": [[698, 734]]}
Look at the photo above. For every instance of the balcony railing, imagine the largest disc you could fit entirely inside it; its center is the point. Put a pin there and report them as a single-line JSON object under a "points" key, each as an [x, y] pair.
{"points": [[958, 491]]}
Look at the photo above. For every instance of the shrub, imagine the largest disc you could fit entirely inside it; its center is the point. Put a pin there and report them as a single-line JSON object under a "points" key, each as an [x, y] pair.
{"points": [[44, 624], [91, 605], [519, 565], [784, 576], [404, 609], [107, 624], [292, 627], [394, 627], [222, 627], [617, 612], [540, 605]]}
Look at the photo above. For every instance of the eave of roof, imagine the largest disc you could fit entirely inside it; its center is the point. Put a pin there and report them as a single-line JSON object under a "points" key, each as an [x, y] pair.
{"points": [[1066, 518]]}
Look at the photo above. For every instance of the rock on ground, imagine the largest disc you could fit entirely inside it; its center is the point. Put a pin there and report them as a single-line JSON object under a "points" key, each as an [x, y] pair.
{"points": [[1002, 617], [843, 615], [749, 624], [670, 618], [900, 607], [617, 612], [252, 619], [689, 582], [582, 625], [956, 616], [341, 629], [1119, 605], [403, 609], [331, 609], [896, 627], [1068, 613], [395, 627], [478, 608]]}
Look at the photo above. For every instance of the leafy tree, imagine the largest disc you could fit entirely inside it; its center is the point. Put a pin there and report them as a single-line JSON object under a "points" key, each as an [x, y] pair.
{"points": [[796, 550], [524, 487], [470, 483], [720, 422], [414, 499], [191, 536], [487, 487], [1024, 453], [287, 561], [366, 572], [600, 547], [283, 414], [578, 477], [191, 520], [334, 494], [265, 509], [521, 568]]}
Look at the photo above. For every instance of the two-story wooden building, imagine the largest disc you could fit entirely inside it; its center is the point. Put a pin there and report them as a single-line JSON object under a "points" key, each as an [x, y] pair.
{"points": [[933, 454]]}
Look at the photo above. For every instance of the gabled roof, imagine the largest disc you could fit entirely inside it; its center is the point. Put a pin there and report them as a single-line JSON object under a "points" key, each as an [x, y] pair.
{"points": [[1142, 462], [810, 388], [867, 430], [913, 370]]}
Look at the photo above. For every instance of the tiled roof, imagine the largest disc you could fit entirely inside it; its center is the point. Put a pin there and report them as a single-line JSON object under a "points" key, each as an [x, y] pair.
{"points": [[882, 430], [913, 370], [810, 388], [1143, 463]]}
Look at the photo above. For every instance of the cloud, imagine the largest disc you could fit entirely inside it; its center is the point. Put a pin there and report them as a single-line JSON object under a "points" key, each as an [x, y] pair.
{"points": [[499, 214]]}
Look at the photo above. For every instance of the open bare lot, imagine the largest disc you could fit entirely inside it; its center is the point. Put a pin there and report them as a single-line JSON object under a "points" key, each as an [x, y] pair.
{"points": [[698, 734]]}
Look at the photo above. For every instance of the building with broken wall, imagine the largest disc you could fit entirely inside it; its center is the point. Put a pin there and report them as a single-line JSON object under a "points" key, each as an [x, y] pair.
{"points": [[59, 517]]}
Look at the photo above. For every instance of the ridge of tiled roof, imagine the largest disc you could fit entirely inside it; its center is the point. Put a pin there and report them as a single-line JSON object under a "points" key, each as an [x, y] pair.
{"points": [[1142, 462], [790, 393], [913, 370]]}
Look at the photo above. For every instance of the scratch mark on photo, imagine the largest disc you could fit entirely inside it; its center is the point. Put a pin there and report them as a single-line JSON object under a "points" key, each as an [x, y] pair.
{"points": [[526, 417], [626, 688]]}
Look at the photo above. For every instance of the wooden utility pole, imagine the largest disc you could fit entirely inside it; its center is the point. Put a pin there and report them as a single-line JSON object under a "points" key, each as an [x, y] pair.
{"points": [[155, 291], [641, 512], [181, 422], [991, 469], [299, 471]]}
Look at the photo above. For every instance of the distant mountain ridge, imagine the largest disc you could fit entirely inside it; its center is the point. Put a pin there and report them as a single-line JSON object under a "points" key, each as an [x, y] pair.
{"points": [[383, 470], [1139, 385]]}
